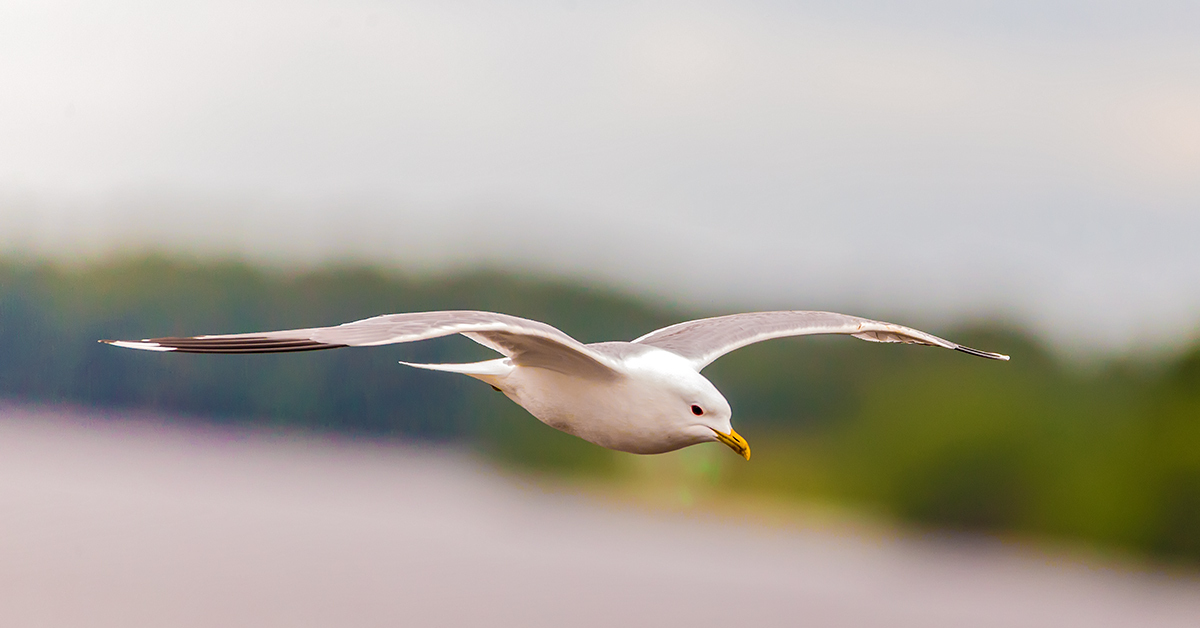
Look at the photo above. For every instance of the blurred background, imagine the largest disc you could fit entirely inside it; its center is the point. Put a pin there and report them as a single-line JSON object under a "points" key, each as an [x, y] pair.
{"points": [[1023, 177]]}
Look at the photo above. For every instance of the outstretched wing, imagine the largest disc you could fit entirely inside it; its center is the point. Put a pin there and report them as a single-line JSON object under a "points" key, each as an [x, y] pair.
{"points": [[707, 339], [526, 342]]}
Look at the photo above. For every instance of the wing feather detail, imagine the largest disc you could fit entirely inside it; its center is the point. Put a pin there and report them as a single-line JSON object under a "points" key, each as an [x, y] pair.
{"points": [[703, 341], [526, 342]]}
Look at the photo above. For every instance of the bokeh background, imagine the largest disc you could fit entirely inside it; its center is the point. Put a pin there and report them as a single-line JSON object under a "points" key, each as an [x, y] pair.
{"points": [[1022, 176]]}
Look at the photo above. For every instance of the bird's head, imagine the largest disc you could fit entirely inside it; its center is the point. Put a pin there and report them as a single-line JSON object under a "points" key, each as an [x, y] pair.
{"points": [[706, 412], [693, 407]]}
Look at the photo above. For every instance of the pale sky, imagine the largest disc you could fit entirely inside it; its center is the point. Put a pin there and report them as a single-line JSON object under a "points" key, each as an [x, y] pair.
{"points": [[1037, 162]]}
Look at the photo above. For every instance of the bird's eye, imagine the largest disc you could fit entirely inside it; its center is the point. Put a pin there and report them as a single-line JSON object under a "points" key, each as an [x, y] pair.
{"points": [[697, 410]]}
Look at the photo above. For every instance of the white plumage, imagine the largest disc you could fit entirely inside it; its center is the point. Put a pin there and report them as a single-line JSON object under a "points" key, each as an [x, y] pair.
{"points": [[645, 396]]}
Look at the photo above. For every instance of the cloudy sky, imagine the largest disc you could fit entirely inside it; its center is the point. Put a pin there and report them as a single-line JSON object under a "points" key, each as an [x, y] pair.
{"points": [[1037, 162]]}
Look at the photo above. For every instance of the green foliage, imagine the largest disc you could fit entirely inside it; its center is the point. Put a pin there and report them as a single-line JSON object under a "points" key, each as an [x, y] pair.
{"points": [[1110, 455]]}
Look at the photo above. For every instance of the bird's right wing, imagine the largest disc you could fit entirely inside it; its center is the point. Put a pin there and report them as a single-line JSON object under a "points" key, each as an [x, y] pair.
{"points": [[525, 342], [707, 339]]}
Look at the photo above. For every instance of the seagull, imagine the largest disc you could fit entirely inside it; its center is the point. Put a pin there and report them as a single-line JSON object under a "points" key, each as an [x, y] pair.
{"points": [[644, 397]]}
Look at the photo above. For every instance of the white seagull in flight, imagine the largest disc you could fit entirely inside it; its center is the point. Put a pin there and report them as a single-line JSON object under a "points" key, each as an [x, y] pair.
{"points": [[643, 397]]}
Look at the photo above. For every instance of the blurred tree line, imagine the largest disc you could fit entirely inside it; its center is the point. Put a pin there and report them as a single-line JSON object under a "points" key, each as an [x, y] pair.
{"points": [[1108, 455]]}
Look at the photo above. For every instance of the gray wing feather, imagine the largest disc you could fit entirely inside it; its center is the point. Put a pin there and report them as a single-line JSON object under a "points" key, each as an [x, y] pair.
{"points": [[707, 339], [526, 342]]}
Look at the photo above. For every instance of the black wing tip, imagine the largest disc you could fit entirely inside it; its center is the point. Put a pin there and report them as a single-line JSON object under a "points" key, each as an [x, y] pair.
{"points": [[983, 354], [200, 344], [240, 345]]}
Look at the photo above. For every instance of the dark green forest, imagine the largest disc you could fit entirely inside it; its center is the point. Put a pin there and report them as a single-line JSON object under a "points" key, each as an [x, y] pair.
{"points": [[1107, 455]]}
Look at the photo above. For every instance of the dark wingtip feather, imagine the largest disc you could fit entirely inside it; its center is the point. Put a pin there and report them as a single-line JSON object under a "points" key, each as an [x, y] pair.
{"points": [[983, 354], [240, 345], [201, 344]]}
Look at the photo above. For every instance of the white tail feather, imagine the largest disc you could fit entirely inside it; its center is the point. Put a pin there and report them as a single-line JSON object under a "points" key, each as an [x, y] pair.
{"points": [[488, 370]]}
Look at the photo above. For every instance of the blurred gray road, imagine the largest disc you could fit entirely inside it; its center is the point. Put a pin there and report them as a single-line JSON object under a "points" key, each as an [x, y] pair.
{"points": [[129, 523]]}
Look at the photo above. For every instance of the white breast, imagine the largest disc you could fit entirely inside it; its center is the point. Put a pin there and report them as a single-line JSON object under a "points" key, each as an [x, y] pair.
{"points": [[637, 413]]}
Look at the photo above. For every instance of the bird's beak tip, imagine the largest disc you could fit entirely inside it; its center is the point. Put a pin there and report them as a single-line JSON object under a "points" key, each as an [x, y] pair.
{"points": [[735, 442]]}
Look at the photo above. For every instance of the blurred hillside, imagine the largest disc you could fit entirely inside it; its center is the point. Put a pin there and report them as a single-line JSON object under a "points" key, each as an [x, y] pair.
{"points": [[1109, 455]]}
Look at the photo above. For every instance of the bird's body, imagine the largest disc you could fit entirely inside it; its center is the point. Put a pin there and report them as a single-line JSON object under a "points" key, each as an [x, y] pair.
{"points": [[635, 411], [646, 396]]}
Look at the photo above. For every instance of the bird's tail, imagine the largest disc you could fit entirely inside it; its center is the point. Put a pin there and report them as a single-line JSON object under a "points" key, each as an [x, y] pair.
{"points": [[490, 371]]}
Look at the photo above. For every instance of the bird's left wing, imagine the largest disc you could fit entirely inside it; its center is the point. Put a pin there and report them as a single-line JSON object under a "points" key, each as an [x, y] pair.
{"points": [[526, 342], [707, 339]]}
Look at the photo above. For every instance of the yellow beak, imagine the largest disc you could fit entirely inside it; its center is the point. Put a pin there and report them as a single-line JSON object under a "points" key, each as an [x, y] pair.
{"points": [[735, 442]]}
